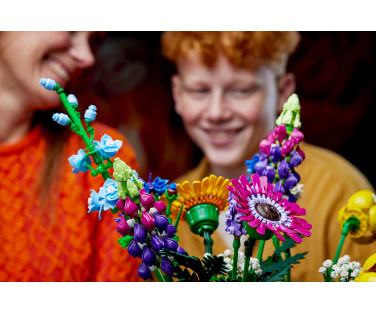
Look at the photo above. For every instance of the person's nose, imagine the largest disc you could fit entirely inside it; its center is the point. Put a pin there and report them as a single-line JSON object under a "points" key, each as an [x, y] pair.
{"points": [[218, 109], [81, 51]]}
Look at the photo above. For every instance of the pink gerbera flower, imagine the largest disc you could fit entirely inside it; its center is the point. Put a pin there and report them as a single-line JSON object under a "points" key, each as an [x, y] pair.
{"points": [[265, 210]]}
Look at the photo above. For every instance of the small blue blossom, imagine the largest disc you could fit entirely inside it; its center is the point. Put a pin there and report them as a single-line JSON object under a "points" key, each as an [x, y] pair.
{"points": [[61, 118], [72, 100], [107, 147], [48, 83], [251, 163], [79, 161], [90, 113], [105, 199]]}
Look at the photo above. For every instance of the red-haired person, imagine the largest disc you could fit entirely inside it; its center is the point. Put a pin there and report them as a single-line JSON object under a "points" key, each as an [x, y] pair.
{"points": [[228, 89]]}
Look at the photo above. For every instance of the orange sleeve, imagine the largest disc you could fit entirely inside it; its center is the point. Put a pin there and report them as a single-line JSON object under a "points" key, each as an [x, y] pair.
{"points": [[112, 262]]}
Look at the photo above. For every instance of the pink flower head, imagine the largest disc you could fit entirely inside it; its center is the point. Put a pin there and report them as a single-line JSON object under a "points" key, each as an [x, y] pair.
{"points": [[271, 136], [146, 199], [122, 227], [296, 136], [130, 208], [147, 221], [265, 146], [264, 208], [280, 132], [287, 146]]}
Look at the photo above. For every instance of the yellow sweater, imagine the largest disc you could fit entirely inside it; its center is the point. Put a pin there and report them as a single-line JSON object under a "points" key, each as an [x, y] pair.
{"points": [[329, 180]]}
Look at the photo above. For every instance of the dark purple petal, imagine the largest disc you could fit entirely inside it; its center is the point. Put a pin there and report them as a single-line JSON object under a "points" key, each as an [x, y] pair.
{"points": [[279, 187], [166, 266], [148, 256], [161, 222], [156, 242], [144, 272], [170, 230], [133, 249], [275, 153], [283, 169], [170, 243], [269, 172], [140, 233], [295, 158], [290, 181], [181, 251], [261, 166]]}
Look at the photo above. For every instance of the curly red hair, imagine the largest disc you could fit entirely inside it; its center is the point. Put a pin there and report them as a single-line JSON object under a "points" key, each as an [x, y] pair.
{"points": [[243, 49]]}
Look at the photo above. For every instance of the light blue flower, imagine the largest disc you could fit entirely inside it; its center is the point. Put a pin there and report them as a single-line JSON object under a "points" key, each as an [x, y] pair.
{"points": [[105, 199], [48, 83], [107, 147], [61, 118], [79, 161], [72, 100], [90, 113]]}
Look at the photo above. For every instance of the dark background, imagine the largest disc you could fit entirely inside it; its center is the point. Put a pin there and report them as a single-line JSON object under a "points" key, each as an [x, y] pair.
{"points": [[335, 74]]}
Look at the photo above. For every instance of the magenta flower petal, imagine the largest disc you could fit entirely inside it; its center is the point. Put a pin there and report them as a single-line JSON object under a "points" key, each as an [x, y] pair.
{"points": [[130, 208], [122, 227], [261, 229], [160, 206], [265, 146], [296, 136], [147, 221], [280, 132], [120, 204], [146, 199]]}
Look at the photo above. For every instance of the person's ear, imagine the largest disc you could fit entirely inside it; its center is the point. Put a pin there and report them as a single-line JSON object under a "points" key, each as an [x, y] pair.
{"points": [[286, 87], [176, 92]]}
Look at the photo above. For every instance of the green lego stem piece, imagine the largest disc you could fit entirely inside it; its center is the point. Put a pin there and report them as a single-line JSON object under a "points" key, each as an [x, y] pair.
{"points": [[249, 244], [260, 249], [352, 224], [178, 217], [76, 126], [236, 246], [288, 275], [208, 241]]}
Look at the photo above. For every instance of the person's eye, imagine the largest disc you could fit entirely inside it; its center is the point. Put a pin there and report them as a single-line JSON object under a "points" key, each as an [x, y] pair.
{"points": [[244, 91]]}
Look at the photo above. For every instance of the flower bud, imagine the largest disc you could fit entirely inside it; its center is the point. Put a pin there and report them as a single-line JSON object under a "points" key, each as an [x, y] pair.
{"points": [[130, 208], [72, 100], [296, 136], [170, 244], [147, 221], [147, 200], [167, 267], [170, 230], [280, 132], [144, 272], [265, 146], [140, 233], [181, 251], [120, 204], [134, 250], [160, 206], [148, 256], [161, 222], [156, 242], [122, 227], [90, 113]]}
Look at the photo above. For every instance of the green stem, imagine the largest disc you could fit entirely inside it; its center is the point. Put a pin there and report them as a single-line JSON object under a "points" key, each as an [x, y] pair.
{"points": [[178, 217], [208, 242], [159, 275], [236, 246], [249, 244], [344, 233], [288, 275], [260, 250]]}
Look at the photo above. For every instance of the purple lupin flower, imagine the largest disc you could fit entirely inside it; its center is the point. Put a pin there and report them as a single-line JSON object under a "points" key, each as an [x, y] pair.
{"points": [[170, 243], [296, 136], [161, 222], [140, 233], [275, 153], [156, 242], [287, 146], [269, 172], [133, 249], [144, 272], [283, 169], [166, 266], [170, 230], [295, 158], [234, 225], [290, 181], [261, 166], [181, 251], [148, 256], [279, 187]]}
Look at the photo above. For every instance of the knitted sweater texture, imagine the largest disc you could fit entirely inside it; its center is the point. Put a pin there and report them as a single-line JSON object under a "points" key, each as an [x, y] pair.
{"points": [[72, 245]]}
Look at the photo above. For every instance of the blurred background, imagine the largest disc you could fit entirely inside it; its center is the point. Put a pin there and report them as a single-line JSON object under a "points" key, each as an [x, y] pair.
{"points": [[335, 74]]}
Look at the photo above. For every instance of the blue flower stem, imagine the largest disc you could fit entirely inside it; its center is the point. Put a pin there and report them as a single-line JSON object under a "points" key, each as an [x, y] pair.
{"points": [[82, 132], [249, 244], [260, 249], [236, 246]]}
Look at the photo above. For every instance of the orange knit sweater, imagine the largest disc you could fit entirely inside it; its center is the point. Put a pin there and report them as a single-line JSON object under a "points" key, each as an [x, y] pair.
{"points": [[74, 245]]}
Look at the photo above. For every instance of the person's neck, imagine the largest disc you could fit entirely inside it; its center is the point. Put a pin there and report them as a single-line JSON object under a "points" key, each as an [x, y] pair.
{"points": [[230, 173], [15, 119]]}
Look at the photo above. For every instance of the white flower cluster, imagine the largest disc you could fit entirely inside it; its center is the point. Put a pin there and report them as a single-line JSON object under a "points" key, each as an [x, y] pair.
{"points": [[344, 269], [254, 263]]}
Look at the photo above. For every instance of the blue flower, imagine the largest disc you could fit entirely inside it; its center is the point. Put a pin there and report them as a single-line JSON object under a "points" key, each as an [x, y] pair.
{"points": [[251, 163], [105, 199], [79, 161], [90, 113], [61, 118], [107, 147], [48, 83]]}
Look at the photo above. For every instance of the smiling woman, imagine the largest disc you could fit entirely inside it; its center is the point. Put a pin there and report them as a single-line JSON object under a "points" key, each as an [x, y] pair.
{"points": [[45, 232]]}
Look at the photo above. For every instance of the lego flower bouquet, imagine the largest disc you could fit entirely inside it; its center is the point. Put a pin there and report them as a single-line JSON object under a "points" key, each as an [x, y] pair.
{"points": [[261, 206]]}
